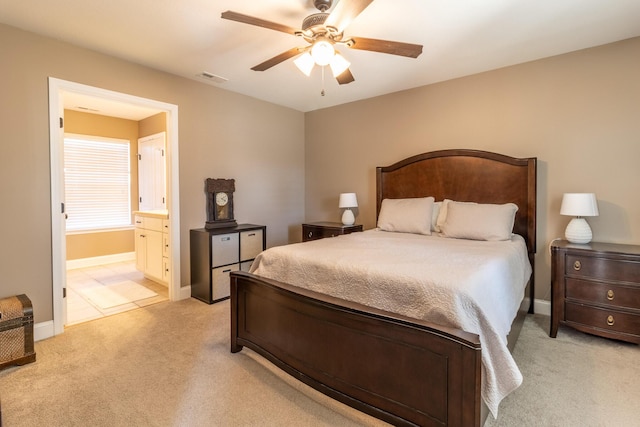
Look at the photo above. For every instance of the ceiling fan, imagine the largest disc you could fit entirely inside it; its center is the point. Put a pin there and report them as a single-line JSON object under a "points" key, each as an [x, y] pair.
{"points": [[323, 31]]}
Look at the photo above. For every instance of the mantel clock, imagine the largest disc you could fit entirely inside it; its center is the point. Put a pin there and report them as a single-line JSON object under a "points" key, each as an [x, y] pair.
{"points": [[220, 203]]}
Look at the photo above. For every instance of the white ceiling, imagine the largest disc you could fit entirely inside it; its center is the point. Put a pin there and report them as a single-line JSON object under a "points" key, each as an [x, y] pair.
{"points": [[460, 37]]}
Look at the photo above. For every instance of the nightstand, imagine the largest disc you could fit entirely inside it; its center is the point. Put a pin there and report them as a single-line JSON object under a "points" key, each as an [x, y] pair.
{"points": [[320, 230], [595, 288]]}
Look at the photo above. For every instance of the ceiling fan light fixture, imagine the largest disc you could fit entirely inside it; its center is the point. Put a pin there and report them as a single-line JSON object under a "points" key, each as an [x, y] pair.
{"points": [[305, 63], [338, 64], [322, 52]]}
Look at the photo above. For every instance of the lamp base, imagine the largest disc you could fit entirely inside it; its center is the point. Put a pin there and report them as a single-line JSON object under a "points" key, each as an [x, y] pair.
{"points": [[348, 218], [578, 231]]}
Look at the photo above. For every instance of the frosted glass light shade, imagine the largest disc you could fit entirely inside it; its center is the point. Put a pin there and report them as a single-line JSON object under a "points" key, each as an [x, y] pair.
{"points": [[305, 63], [579, 205], [338, 64], [322, 52]]}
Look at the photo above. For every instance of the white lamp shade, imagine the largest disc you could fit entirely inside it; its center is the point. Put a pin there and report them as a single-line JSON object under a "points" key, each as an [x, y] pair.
{"points": [[579, 204], [348, 200]]}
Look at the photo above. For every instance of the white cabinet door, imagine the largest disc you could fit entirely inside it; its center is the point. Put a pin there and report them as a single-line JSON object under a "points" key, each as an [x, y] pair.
{"points": [[154, 259], [152, 183], [141, 249]]}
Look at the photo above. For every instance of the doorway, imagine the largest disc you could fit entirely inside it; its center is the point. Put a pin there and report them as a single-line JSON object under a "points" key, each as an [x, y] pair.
{"points": [[111, 104]]}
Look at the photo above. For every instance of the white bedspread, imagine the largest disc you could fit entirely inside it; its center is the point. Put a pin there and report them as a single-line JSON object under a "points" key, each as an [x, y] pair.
{"points": [[475, 286]]}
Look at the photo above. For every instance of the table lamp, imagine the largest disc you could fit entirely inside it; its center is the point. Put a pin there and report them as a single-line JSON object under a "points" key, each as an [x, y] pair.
{"points": [[348, 201], [579, 205]]}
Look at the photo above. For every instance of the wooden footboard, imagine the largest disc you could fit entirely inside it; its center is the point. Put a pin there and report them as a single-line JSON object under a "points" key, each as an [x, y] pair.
{"points": [[394, 368]]}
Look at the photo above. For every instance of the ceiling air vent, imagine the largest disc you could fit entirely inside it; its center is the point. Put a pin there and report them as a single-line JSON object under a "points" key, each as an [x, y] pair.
{"points": [[212, 77]]}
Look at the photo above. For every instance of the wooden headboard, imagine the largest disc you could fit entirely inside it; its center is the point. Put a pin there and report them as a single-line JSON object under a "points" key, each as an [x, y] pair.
{"points": [[466, 176]]}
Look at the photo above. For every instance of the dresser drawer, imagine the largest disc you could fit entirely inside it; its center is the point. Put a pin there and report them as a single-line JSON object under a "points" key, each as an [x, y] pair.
{"points": [[315, 233], [603, 319], [320, 230], [602, 268], [614, 295]]}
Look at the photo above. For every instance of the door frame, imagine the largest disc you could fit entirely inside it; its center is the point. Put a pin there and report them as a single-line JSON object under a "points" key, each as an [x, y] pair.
{"points": [[57, 89]]}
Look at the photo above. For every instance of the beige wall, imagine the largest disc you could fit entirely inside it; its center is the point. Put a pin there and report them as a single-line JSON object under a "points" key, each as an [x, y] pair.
{"points": [[578, 113], [152, 125], [221, 134], [88, 245]]}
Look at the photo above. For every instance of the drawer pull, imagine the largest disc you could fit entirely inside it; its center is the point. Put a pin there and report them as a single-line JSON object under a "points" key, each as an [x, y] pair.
{"points": [[610, 295], [610, 320], [252, 234], [577, 266]]}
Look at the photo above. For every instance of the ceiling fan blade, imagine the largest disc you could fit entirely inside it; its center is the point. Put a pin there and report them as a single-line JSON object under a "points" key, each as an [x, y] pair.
{"points": [[345, 12], [246, 19], [345, 77], [278, 59], [386, 46]]}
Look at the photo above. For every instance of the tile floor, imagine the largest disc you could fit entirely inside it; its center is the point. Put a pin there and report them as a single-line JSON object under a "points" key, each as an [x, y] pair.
{"points": [[80, 309]]}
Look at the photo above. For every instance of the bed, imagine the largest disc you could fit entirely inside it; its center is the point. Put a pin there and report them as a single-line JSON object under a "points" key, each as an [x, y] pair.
{"points": [[400, 368]]}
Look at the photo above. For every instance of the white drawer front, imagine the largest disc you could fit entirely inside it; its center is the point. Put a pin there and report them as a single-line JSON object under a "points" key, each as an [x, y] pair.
{"points": [[153, 223], [220, 281], [224, 249], [250, 244]]}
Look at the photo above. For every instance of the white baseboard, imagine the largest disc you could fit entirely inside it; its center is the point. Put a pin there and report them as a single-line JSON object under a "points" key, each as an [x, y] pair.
{"points": [[43, 330], [100, 260], [541, 306], [185, 292]]}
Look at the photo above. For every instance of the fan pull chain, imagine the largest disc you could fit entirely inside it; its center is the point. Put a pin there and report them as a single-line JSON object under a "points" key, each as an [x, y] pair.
{"points": [[322, 91]]}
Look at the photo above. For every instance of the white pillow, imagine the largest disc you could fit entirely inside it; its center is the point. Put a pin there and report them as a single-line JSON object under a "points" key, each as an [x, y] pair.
{"points": [[478, 221], [406, 215], [442, 214]]}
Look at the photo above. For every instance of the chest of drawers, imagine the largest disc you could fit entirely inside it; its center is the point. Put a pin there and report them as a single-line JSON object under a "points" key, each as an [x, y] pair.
{"points": [[596, 289]]}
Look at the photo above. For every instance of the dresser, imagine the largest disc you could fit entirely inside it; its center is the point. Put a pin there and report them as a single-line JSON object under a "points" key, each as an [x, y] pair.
{"points": [[595, 288], [320, 230], [217, 252]]}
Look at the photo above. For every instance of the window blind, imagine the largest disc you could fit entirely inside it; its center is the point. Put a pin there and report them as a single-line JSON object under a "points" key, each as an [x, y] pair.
{"points": [[97, 180]]}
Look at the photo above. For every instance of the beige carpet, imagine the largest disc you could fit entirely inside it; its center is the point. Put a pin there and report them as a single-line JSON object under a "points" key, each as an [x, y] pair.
{"points": [[112, 295], [169, 365]]}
